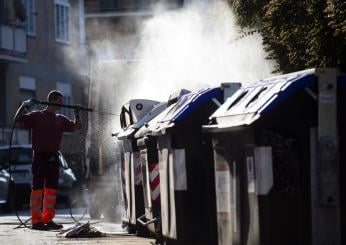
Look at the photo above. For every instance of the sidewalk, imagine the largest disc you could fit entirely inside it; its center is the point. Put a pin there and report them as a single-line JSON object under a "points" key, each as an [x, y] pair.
{"points": [[24, 236]]}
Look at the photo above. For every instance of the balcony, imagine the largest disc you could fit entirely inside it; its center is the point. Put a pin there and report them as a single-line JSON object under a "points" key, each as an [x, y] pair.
{"points": [[13, 43], [118, 8]]}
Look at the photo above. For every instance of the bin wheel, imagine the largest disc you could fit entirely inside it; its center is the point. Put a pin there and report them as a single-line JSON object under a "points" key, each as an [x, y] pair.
{"points": [[131, 229], [142, 231]]}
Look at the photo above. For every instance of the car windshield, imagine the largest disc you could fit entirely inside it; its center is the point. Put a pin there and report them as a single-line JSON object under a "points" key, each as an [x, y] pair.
{"points": [[19, 156]]}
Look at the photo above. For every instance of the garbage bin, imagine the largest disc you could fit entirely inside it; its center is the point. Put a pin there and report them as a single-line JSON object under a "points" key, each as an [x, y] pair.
{"points": [[133, 115], [185, 167], [270, 178], [150, 170]]}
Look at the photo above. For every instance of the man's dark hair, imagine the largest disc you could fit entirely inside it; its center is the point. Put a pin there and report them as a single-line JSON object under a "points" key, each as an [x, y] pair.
{"points": [[54, 95]]}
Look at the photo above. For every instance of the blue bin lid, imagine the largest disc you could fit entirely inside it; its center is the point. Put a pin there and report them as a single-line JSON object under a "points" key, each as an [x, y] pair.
{"points": [[189, 102], [249, 102], [184, 107], [154, 124]]}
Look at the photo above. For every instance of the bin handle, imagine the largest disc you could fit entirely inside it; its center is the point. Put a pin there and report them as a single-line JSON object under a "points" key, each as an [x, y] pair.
{"points": [[146, 223]]}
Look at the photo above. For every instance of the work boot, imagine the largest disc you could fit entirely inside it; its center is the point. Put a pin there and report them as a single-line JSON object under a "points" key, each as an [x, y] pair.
{"points": [[40, 226], [53, 226]]}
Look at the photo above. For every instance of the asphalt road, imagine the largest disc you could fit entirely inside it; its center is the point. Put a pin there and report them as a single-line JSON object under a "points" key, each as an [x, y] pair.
{"points": [[10, 235]]}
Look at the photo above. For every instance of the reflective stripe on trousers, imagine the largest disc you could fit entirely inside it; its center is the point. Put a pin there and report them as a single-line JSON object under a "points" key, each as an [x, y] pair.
{"points": [[36, 205], [49, 201]]}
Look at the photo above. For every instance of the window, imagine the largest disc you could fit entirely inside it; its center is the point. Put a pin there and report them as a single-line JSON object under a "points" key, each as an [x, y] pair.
{"points": [[61, 13], [27, 86], [30, 23], [66, 89], [109, 4]]}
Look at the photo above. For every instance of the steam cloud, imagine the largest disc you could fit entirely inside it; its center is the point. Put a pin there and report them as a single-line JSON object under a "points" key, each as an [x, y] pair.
{"points": [[193, 48], [189, 48]]}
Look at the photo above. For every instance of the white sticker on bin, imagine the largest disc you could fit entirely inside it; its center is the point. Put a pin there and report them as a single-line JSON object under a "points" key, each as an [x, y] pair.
{"points": [[250, 174], [223, 191], [179, 165], [264, 170]]}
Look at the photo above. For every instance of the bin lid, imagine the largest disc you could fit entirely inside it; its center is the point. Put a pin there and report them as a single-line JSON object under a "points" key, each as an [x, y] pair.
{"points": [[189, 102], [154, 124], [178, 111], [134, 110], [157, 109], [250, 102]]}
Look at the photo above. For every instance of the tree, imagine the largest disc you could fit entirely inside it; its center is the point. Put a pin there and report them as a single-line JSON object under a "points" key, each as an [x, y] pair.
{"points": [[248, 12], [298, 34]]}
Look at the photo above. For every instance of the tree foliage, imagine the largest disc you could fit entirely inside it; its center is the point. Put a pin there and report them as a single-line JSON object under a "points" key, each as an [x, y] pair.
{"points": [[298, 34]]}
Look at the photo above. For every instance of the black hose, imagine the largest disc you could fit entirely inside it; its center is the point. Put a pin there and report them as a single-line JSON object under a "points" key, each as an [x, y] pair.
{"points": [[14, 186], [84, 213]]}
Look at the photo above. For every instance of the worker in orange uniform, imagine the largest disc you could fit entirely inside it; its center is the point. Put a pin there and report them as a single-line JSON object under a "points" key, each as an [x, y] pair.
{"points": [[46, 127]]}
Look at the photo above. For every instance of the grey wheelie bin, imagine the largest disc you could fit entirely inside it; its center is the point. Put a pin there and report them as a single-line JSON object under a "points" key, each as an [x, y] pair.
{"points": [[133, 116], [186, 169], [276, 161], [150, 171]]}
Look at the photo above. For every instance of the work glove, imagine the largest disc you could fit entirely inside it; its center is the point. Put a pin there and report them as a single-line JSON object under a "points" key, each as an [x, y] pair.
{"points": [[28, 103]]}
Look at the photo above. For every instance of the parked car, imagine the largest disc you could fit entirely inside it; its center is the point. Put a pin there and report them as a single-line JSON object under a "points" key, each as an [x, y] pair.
{"points": [[22, 175], [6, 187]]}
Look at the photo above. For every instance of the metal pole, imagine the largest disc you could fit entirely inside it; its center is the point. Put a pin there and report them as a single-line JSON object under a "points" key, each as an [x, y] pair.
{"points": [[325, 191]]}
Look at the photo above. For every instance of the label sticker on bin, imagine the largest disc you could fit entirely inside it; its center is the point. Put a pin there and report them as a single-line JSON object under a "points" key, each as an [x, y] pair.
{"points": [[137, 167], [223, 188], [250, 175], [180, 178], [264, 170], [223, 193]]}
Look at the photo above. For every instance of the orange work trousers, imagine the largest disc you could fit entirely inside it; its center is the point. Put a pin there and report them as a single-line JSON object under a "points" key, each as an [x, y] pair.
{"points": [[45, 176]]}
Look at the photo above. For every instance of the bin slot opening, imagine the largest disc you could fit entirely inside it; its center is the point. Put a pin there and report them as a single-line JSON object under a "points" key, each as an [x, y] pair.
{"points": [[256, 96], [239, 98]]}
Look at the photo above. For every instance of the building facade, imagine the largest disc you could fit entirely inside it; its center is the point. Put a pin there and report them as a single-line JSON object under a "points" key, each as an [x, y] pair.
{"points": [[41, 49]]}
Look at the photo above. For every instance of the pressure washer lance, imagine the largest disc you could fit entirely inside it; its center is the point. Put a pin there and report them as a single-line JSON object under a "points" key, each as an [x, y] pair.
{"points": [[77, 107]]}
